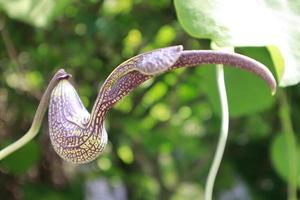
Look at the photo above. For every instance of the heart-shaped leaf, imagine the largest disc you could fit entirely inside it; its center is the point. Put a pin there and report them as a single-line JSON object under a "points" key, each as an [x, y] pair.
{"points": [[249, 23]]}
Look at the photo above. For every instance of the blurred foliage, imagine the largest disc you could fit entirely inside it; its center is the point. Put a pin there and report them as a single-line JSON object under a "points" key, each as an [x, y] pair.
{"points": [[163, 135], [279, 158]]}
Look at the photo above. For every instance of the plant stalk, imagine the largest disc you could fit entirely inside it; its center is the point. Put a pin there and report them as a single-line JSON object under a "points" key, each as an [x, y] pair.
{"points": [[223, 135], [287, 127], [38, 117]]}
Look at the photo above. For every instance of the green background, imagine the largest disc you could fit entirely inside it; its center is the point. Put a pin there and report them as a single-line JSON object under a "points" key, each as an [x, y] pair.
{"points": [[162, 137]]}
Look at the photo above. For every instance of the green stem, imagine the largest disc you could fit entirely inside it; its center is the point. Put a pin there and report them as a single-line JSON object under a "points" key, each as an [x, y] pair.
{"points": [[223, 135], [38, 118], [287, 128]]}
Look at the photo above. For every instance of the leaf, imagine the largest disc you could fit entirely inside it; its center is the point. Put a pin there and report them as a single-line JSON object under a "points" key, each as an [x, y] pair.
{"points": [[35, 12], [244, 97], [248, 23], [187, 190], [279, 157]]}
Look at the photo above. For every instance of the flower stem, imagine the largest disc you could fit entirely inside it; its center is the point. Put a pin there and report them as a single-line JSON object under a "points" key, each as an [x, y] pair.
{"points": [[287, 128], [223, 135], [38, 117]]}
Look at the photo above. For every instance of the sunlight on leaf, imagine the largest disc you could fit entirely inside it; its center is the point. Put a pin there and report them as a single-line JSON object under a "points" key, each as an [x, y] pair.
{"points": [[188, 190], [155, 93], [132, 41], [278, 60], [125, 154], [125, 105], [165, 35], [114, 7], [248, 23], [104, 163], [161, 112], [38, 13]]}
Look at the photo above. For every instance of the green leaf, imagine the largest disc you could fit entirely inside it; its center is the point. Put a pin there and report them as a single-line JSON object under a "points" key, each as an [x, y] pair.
{"points": [[35, 12], [114, 7], [187, 92], [155, 93], [165, 35], [161, 112], [248, 23], [124, 105], [279, 157], [125, 154], [247, 93], [187, 190], [278, 60]]}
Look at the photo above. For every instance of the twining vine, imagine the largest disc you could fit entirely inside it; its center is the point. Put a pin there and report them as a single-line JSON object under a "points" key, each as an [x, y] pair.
{"points": [[79, 137]]}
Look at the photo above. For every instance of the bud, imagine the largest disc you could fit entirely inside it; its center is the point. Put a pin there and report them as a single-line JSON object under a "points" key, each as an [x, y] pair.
{"points": [[71, 136]]}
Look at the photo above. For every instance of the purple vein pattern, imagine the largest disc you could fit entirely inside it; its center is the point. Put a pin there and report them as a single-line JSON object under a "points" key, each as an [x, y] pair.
{"points": [[80, 137]]}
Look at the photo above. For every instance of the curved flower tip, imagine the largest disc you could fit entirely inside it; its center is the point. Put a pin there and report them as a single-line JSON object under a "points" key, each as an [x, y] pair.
{"points": [[262, 71], [274, 89], [158, 61], [189, 58], [62, 74], [265, 74]]}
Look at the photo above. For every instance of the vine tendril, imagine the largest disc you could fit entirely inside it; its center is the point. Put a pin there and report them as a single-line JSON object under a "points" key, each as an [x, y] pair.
{"points": [[223, 135], [38, 117]]}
